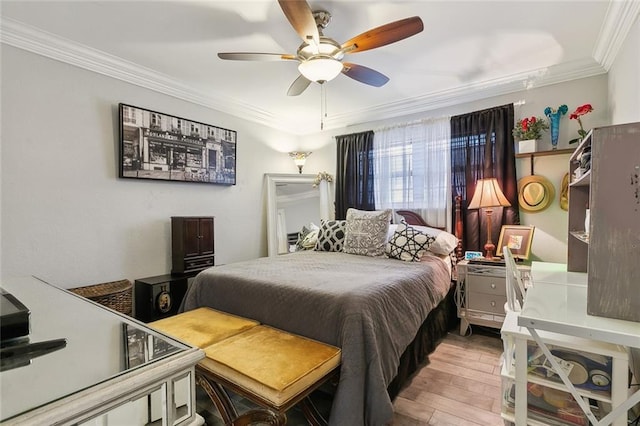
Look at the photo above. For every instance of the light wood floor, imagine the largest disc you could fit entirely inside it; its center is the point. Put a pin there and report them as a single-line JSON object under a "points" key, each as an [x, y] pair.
{"points": [[460, 386]]}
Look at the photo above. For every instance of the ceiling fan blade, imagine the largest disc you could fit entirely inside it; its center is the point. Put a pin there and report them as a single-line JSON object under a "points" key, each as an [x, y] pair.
{"points": [[247, 56], [386, 34], [298, 86], [301, 19], [364, 75]]}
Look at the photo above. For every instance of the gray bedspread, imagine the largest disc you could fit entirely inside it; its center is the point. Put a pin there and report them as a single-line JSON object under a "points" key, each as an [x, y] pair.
{"points": [[369, 307]]}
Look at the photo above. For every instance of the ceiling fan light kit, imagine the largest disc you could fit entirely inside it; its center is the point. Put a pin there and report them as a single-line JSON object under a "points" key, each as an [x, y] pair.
{"points": [[320, 69], [320, 57]]}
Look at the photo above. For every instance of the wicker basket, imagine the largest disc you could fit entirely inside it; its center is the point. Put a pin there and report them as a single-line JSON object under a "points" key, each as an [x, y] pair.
{"points": [[115, 295]]}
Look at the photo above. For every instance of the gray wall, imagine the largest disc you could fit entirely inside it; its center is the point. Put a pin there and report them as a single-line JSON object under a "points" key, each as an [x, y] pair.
{"points": [[624, 80], [550, 237], [68, 218]]}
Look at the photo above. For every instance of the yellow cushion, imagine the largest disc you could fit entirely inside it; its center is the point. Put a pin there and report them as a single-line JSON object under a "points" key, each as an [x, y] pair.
{"points": [[203, 326], [271, 363]]}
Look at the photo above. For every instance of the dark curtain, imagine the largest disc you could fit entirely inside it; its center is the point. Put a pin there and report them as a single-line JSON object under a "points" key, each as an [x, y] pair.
{"points": [[482, 147], [354, 173]]}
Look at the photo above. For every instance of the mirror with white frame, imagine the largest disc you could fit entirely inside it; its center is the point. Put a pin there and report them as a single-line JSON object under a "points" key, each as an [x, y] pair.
{"points": [[292, 202]]}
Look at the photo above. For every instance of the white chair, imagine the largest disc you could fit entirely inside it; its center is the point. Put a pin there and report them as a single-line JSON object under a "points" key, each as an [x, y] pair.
{"points": [[515, 284], [515, 298]]}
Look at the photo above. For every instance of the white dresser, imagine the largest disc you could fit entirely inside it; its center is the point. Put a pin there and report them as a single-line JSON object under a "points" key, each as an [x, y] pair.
{"points": [[113, 370]]}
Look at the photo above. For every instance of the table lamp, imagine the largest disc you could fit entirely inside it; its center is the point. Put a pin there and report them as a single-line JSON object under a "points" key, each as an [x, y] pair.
{"points": [[488, 195]]}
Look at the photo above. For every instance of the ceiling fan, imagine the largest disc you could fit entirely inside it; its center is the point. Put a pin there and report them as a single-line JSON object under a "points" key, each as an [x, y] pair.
{"points": [[320, 57]]}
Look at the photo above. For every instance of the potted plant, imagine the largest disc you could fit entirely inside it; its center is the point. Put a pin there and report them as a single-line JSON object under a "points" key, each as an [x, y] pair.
{"points": [[579, 112], [528, 131]]}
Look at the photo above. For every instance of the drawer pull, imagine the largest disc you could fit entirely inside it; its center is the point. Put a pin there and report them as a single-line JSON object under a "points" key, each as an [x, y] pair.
{"points": [[493, 285], [493, 303]]}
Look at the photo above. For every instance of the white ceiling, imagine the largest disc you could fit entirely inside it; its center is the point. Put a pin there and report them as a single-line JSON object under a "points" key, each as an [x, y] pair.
{"points": [[468, 50]]}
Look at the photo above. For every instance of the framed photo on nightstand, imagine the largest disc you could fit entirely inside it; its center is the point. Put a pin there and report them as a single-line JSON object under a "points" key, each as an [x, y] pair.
{"points": [[518, 238]]}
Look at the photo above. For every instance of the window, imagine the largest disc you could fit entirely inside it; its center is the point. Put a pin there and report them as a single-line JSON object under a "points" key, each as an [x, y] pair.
{"points": [[412, 169], [156, 120], [473, 146], [128, 115]]}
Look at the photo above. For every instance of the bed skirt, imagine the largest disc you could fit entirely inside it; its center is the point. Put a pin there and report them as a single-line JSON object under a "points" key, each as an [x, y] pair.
{"points": [[438, 323]]}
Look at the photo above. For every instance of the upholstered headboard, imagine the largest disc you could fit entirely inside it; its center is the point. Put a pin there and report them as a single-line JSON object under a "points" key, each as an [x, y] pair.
{"points": [[412, 218]]}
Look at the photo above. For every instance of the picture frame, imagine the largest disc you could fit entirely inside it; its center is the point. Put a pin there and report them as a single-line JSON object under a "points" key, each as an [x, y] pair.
{"points": [[518, 238], [159, 146]]}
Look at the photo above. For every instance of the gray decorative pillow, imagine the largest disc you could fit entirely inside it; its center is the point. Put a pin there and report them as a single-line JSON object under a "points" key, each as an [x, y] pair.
{"points": [[366, 232], [331, 235], [409, 244]]}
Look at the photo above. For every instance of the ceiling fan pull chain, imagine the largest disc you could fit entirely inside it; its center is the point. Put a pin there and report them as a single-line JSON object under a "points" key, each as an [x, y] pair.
{"points": [[322, 106], [324, 101]]}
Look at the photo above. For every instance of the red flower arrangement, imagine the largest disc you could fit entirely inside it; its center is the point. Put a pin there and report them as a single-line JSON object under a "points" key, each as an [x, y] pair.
{"points": [[530, 128], [575, 115]]}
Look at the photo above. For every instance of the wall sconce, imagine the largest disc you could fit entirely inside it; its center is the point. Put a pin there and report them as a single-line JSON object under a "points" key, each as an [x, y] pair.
{"points": [[488, 194], [299, 158]]}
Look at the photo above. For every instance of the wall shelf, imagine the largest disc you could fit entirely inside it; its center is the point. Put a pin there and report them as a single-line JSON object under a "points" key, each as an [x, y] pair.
{"points": [[545, 153]]}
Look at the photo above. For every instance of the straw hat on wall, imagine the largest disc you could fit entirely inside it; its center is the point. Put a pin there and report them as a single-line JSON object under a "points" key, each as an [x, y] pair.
{"points": [[535, 193]]}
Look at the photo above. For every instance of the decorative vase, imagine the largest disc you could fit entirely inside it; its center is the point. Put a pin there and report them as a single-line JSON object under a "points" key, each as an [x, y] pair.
{"points": [[554, 118], [554, 122]]}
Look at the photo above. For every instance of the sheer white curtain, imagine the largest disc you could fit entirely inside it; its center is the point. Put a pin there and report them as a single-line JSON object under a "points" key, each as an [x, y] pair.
{"points": [[412, 169]]}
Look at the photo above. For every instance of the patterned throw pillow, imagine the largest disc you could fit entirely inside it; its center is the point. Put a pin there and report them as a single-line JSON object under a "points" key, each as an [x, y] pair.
{"points": [[444, 242], [331, 235], [408, 243], [366, 232], [307, 237]]}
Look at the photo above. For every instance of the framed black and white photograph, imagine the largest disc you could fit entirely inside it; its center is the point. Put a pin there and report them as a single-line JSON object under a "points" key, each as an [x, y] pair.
{"points": [[518, 238], [159, 146]]}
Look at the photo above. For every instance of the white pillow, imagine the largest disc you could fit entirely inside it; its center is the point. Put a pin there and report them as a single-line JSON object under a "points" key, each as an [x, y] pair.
{"points": [[445, 242], [391, 231]]}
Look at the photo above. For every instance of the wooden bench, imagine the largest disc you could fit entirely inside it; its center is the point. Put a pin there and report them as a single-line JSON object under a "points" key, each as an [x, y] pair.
{"points": [[270, 367]]}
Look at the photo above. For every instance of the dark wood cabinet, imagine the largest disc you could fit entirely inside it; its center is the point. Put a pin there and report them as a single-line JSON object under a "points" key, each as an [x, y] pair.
{"points": [[159, 297], [192, 244]]}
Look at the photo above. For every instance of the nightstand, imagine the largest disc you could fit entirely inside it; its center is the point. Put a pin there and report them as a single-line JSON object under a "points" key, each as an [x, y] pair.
{"points": [[160, 296], [481, 294]]}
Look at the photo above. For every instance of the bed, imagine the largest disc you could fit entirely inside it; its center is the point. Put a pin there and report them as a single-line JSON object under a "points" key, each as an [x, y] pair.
{"points": [[385, 314]]}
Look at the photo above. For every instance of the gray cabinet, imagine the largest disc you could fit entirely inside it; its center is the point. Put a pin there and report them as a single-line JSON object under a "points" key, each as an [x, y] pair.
{"points": [[605, 171]]}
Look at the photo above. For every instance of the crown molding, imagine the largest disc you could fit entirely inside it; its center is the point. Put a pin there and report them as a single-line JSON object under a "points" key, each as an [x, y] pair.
{"points": [[470, 93], [620, 17], [22, 36], [619, 20]]}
